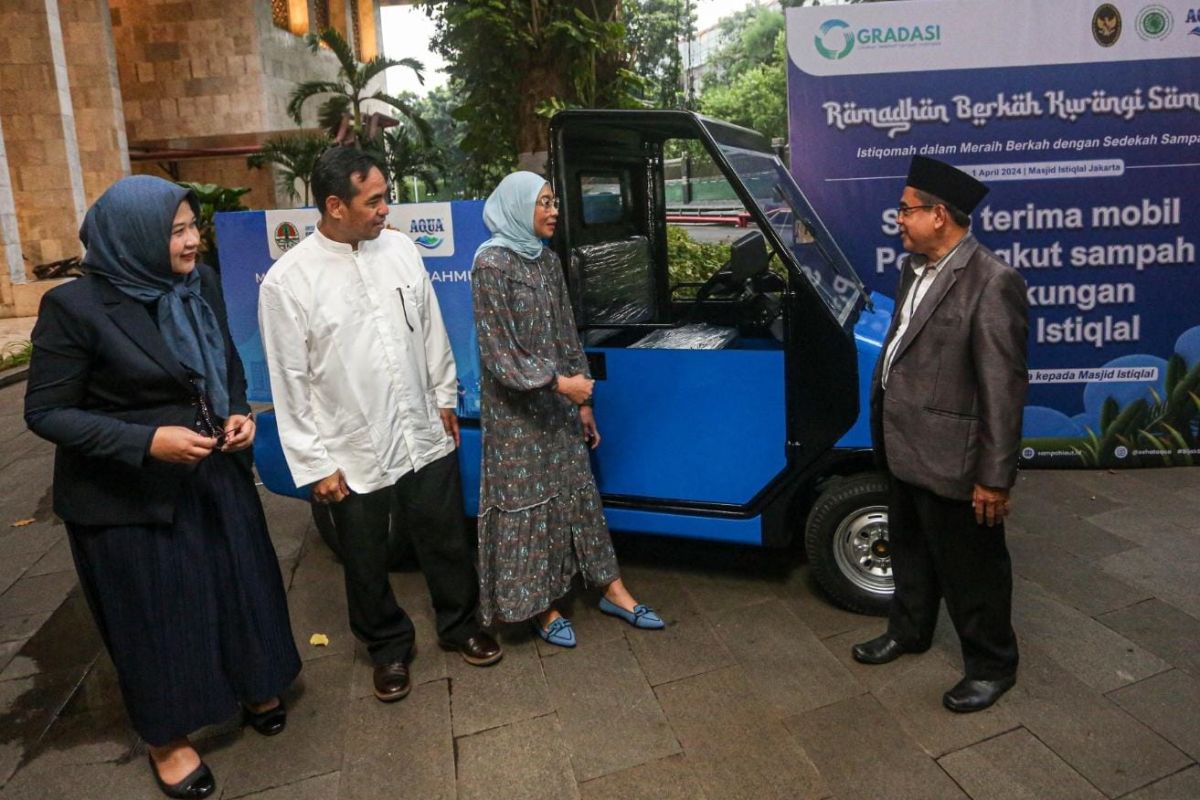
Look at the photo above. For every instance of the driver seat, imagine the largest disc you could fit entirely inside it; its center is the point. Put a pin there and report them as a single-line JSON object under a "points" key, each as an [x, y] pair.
{"points": [[617, 283]]}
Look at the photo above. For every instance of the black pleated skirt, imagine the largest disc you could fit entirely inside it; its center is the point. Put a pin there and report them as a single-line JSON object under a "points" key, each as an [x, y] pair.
{"points": [[194, 613]]}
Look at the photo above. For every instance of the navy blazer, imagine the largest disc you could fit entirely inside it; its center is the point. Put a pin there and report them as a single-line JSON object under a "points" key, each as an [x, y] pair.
{"points": [[101, 380]]}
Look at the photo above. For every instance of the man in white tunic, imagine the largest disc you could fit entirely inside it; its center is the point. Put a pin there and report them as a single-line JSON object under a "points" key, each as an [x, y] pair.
{"points": [[364, 386]]}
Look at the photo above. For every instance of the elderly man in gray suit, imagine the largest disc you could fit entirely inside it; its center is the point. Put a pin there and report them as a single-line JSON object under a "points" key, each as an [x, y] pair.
{"points": [[946, 406]]}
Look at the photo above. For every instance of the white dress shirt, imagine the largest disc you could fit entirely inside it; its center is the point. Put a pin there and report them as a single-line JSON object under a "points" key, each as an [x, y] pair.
{"points": [[926, 275], [359, 360]]}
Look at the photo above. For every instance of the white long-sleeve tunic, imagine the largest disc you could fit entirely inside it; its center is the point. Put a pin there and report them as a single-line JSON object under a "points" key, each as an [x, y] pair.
{"points": [[359, 360]]}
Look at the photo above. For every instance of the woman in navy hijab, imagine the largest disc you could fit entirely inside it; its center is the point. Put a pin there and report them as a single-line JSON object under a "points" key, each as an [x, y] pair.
{"points": [[135, 379]]}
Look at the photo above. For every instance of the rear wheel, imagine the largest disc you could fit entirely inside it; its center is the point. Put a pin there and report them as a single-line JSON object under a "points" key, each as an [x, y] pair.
{"points": [[846, 540]]}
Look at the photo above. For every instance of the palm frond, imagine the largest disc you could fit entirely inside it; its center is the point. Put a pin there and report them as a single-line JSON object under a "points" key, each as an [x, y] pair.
{"points": [[337, 43], [307, 89], [381, 64], [409, 112]]}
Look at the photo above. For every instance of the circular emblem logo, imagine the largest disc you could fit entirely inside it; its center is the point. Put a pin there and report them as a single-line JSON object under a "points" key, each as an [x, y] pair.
{"points": [[1028, 452], [834, 40], [1121, 451], [1154, 22], [1106, 25], [286, 236]]}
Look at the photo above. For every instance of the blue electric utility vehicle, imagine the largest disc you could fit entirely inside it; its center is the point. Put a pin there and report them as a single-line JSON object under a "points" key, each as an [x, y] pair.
{"points": [[734, 408]]}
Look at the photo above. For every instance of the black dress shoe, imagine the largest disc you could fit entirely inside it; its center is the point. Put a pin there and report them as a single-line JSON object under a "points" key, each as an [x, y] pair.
{"points": [[269, 722], [197, 783], [479, 650], [975, 695], [879, 650], [392, 681]]}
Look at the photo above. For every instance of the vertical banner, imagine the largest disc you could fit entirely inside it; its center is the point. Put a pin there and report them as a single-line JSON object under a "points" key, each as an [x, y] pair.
{"points": [[445, 233], [1084, 119]]}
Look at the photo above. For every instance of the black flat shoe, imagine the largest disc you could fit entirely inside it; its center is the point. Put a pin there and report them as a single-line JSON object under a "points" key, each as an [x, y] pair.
{"points": [[974, 695], [269, 722], [879, 650], [198, 783]]}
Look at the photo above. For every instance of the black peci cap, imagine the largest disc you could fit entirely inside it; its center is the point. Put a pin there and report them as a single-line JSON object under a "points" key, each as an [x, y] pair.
{"points": [[949, 183]]}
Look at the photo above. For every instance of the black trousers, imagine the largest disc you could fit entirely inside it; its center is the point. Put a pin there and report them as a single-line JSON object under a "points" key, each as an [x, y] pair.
{"points": [[940, 551], [433, 499]]}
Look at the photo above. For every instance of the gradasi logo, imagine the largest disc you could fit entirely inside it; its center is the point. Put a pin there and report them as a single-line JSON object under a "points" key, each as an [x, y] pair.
{"points": [[286, 236], [1154, 22], [1106, 25], [426, 228], [834, 40]]}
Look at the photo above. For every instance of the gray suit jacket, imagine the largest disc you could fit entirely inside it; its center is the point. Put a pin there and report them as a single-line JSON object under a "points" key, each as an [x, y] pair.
{"points": [[951, 416]]}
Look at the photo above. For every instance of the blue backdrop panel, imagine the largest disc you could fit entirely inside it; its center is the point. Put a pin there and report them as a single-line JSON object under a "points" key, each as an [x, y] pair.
{"points": [[1088, 134]]}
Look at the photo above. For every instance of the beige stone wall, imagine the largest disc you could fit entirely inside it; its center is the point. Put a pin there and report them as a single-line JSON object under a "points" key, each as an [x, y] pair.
{"points": [[286, 61], [225, 171], [95, 94], [39, 130], [188, 68], [192, 68]]}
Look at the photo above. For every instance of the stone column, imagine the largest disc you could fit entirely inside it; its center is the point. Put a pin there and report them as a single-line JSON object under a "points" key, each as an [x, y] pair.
{"points": [[39, 130], [95, 94], [12, 270]]}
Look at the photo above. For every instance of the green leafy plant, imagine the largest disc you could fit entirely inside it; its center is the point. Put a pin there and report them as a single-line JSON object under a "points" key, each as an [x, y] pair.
{"points": [[689, 261], [14, 354], [408, 157], [295, 157], [341, 113], [511, 62]]}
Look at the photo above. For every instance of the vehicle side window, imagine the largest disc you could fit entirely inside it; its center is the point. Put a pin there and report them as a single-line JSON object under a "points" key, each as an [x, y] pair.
{"points": [[603, 198]]}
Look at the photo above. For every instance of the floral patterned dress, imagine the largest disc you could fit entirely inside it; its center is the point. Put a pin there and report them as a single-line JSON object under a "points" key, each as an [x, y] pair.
{"points": [[540, 514]]}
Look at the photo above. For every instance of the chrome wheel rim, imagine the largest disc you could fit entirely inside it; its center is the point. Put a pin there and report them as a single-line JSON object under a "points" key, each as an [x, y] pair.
{"points": [[861, 550]]}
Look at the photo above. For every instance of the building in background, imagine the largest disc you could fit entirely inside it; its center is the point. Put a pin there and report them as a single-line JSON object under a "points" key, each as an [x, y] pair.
{"points": [[93, 90]]}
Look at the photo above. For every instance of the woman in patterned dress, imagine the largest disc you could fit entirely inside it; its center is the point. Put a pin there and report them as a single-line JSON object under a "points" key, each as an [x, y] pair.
{"points": [[540, 514]]}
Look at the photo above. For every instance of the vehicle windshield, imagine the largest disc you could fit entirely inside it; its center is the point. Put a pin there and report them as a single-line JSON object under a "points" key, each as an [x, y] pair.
{"points": [[788, 212]]}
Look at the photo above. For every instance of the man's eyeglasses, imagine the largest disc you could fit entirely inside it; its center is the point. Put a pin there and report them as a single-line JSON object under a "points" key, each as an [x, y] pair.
{"points": [[903, 210], [548, 202]]}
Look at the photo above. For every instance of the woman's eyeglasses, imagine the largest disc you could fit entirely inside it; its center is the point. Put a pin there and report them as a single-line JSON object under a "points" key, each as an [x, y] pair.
{"points": [[547, 203], [206, 425]]}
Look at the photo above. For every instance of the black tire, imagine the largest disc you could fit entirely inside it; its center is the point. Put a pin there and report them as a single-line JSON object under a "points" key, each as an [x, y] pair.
{"points": [[846, 542]]}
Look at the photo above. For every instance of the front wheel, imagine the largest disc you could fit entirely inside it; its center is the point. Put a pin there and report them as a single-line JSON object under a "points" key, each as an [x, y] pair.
{"points": [[846, 540]]}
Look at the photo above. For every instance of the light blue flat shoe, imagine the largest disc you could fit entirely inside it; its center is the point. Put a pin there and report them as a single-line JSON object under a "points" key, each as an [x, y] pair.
{"points": [[642, 616], [559, 633]]}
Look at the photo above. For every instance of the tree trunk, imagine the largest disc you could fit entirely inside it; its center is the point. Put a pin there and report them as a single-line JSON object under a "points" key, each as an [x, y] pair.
{"points": [[546, 75]]}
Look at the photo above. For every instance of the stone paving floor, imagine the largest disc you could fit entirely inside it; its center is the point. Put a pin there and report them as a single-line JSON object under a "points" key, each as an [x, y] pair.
{"points": [[749, 693]]}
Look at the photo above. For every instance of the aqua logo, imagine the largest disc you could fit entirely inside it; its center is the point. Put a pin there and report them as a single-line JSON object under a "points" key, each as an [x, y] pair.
{"points": [[428, 225], [1106, 25], [834, 40], [427, 241], [1154, 22], [286, 236]]}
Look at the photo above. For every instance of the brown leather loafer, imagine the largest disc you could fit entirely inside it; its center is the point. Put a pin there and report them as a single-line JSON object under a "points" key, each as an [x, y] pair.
{"points": [[479, 650], [392, 681]]}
